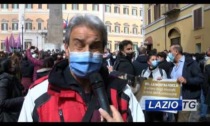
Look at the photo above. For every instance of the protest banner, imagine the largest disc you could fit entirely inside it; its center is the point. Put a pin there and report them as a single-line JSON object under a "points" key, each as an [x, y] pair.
{"points": [[151, 89]]}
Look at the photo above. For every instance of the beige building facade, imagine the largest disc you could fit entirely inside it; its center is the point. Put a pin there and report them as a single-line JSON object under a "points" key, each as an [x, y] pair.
{"points": [[185, 24], [123, 21]]}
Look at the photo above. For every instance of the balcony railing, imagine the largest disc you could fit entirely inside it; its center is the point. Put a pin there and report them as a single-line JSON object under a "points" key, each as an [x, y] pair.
{"points": [[168, 9]]}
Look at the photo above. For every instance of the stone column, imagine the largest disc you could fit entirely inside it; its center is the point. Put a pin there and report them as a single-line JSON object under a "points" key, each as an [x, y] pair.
{"points": [[55, 27]]}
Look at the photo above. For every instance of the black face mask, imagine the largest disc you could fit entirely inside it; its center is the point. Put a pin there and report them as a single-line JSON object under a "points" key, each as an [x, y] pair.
{"points": [[130, 55]]}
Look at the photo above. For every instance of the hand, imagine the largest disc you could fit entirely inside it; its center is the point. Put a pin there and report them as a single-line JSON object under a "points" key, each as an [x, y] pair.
{"points": [[116, 115], [159, 78], [110, 68], [29, 46], [181, 80]]}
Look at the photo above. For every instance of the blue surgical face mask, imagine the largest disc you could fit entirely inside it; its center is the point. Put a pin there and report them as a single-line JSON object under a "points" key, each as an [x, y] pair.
{"points": [[84, 63], [154, 63], [171, 57]]}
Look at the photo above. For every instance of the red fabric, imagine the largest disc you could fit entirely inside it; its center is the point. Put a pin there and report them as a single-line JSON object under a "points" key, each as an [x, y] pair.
{"points": [[114, 98], [38, 81], [124, 107]]}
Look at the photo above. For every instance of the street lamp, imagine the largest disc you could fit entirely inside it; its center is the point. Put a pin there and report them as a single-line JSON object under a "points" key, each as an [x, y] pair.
{"points": [[22, 38]]}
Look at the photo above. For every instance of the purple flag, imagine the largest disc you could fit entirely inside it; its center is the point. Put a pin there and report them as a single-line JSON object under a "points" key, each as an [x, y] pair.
{"points": [[12, 41], [7, 47], [17, 41]]}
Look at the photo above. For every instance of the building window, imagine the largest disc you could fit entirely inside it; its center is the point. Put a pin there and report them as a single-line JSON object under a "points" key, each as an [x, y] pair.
{"points": [[4, 26], [84, 6], [2, 45], [47, 6], [28, 25], [109, 45], [39, 6], [63, 6], [15, 6], [108, 27], [126, 30], [126, 10], [39, 25], [117, 29], [198, 18], [135, 31], [140, 12], [116, 45], [29, 6], [15, 26], [95, 7], [134, 12], [108, 8], [75, 7], [4, 6], [156, 11], [116, 9], [149, 16]]}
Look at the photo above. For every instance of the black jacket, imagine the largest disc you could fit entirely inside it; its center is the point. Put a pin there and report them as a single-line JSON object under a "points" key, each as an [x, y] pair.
{"points": [[27, 68], [140, 63], [192, 73], [124, 65], [166, 66], [11, 98]]}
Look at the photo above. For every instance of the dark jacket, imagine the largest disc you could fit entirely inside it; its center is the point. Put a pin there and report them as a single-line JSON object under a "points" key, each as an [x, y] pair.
{"points": [[42, 72], [27, 68], [166, 66], [11, 98], [192, 73], [140, 63], [207, 84], [124, 65]]}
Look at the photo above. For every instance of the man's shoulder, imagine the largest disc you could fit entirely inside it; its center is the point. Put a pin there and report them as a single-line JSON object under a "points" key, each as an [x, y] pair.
{"points": [[38, 81]]}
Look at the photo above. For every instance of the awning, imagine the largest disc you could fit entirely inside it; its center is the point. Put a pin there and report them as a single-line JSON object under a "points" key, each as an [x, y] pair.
{"points": [[148, 41]]}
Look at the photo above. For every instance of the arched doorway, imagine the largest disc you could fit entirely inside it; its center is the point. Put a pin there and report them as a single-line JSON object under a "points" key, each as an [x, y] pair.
{"points": [[148, 43], [174, 36]]}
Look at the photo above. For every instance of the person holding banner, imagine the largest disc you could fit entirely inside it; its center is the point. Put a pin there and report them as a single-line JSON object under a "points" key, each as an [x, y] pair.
{"points": [[187, 73], [153, 71]]}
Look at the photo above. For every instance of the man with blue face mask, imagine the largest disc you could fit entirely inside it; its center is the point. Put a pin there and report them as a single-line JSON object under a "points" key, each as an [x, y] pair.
{"points": [[66, 95], [187, 73]]}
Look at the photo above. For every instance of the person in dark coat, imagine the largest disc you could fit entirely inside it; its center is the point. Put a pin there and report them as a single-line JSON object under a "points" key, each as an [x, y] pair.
{"points": [[141, 61], [163, 64], [11, 97], [27, 69], [123, 62]]}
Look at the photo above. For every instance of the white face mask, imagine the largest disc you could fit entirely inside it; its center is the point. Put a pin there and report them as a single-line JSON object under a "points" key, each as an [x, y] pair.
{"points": [[113, 57], [206, 57], [34, 55], [193, 58]]}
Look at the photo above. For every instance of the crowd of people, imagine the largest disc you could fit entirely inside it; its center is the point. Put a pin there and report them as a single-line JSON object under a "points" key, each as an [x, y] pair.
{"points": [[55, 86]]}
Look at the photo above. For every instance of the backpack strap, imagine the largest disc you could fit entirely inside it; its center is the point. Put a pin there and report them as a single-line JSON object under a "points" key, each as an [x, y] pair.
{"points": [[89, 112]]}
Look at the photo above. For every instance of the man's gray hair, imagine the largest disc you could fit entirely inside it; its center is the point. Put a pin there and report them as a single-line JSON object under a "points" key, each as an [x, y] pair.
{"points": [[88, 20], [178, 48]]}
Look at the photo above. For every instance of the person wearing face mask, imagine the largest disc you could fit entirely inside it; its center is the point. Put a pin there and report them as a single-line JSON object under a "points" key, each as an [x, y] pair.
{"points": [[153, 71], [124, 58], [66, 94], [188, 74]]}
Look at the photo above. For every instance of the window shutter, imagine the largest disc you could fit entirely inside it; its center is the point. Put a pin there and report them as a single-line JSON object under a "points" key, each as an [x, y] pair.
{"points": [[149, 17], [199, 12], [31, 6], [12, 6], [17, 6], [2, 26]]}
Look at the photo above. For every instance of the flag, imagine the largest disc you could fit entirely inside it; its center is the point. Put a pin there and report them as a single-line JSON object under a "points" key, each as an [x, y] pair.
{"points": [[12, 41], [7, 47], [17, 41]]}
